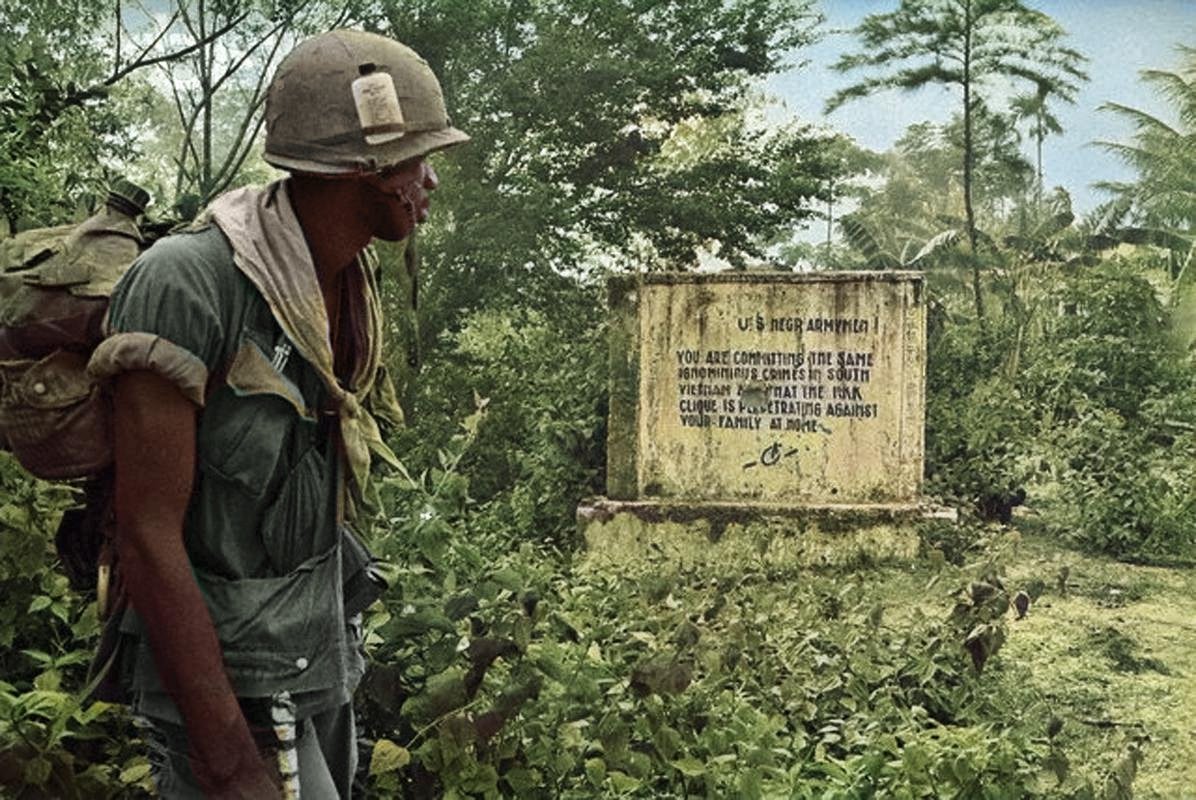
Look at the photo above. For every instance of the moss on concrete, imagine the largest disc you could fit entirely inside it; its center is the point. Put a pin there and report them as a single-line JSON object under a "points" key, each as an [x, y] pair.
{"points": [[714, 536], [622, 477]]}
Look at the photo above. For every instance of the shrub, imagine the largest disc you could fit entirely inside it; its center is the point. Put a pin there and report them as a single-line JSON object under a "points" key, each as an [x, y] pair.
{"points": [[978, 426], [541, 447], [978, 447], [502, 668], [1114, 400], [1107, 345], [1126, 488], [52, 742]]}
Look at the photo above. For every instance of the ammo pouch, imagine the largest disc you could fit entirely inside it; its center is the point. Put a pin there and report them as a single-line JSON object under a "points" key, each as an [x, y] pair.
{"points": [[53, 417], [362, 581]]}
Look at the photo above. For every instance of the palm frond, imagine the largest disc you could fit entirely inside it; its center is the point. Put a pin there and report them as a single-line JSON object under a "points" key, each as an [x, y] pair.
{"points": [[944, 240]]}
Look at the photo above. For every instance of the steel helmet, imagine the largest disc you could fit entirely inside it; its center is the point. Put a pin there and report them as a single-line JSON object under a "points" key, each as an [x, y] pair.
{"points": [[347, 101]]}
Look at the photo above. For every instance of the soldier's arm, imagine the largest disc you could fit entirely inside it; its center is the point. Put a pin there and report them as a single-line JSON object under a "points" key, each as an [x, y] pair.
{"points": [[155, 466]]}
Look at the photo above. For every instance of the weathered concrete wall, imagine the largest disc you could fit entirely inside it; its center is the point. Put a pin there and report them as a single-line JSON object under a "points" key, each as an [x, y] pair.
{"points": [[768, 387], [712, 535]]}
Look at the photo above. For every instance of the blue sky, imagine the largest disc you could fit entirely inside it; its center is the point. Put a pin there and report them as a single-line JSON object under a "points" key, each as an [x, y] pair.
{"points": [[1120, 37]]}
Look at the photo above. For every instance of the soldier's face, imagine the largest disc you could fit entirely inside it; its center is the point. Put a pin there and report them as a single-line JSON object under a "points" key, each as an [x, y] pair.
{"points": [[398, 198]]}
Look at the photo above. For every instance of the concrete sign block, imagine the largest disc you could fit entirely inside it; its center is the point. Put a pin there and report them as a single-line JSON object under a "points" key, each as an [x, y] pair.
{"points": [[768, 388]]}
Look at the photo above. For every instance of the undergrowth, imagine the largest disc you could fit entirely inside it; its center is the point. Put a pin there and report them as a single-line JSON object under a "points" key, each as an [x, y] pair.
{"points": [[506, 668], [1076, 402]]}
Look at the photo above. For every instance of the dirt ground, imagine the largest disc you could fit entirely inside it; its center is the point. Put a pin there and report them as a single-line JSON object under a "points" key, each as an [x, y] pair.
{"points": [[1111, 650]]}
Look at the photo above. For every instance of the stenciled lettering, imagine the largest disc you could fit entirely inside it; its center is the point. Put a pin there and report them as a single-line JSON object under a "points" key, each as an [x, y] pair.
{"points": [[737, 389]]}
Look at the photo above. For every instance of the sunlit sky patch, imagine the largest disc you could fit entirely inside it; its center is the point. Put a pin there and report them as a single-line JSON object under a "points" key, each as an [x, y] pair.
{"points": [[1120, 37]]}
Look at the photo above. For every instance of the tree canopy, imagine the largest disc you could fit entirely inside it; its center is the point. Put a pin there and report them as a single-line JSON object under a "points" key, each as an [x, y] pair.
{"points": [[621, 129], [966, 44]]}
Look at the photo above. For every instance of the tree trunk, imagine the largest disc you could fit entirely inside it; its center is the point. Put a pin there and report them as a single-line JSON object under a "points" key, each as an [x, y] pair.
{"points": [[830, 217], [968, 157], [1039, 134], [205, 87], [116, 48]]}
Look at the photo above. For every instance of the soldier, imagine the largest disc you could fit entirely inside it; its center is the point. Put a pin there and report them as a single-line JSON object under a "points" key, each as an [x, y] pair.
{"points": [[242, 351]]}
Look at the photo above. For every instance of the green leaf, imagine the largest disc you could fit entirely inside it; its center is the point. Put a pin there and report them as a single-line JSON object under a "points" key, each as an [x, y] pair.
{"points": [[689, 766], [135, 773], [93, 712], [596, 770], [50, 680], [623, 783], [40, 603], [40, 656], [61, 611], [550, 665], [667, 741], [522, 780], [419, 622], [481, 780], [388, 757], [508, 578]]}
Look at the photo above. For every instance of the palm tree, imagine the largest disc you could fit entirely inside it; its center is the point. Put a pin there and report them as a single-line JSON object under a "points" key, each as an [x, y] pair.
{"points": [[962, 44], [1033, 106], [1161, 152], [1163, 197], [909, 206]]}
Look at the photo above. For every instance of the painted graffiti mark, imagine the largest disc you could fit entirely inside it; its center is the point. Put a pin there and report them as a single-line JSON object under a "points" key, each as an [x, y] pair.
{"points": [[771, 456]]}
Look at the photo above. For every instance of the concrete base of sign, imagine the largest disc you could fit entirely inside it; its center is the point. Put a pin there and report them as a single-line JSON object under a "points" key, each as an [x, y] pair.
{"points": [[692, 534]]}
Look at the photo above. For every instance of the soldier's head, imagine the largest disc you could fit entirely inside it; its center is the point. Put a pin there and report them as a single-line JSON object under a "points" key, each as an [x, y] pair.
{"points": [[359, 107]]}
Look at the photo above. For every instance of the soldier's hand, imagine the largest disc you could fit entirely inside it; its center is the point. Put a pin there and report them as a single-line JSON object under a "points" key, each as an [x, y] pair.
{"points": [[255, 779]]}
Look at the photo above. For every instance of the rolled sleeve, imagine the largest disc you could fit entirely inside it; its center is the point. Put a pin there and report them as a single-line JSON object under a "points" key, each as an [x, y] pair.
{"points": [[165, 316], [125, 352]]}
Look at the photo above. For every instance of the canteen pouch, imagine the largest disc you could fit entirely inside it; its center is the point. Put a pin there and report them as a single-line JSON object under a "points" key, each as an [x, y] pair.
{"points": [[53, 417]]}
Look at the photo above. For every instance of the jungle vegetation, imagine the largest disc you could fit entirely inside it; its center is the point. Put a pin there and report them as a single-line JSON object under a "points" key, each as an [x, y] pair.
{"points": [[624, 135]]}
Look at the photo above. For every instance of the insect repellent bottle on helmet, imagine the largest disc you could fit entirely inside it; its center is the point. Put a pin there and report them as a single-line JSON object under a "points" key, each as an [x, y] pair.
{"points": [[350, 102], [378, 106]]}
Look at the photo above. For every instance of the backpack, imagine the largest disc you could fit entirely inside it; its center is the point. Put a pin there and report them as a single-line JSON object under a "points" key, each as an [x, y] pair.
{"points": [[56, 421]]}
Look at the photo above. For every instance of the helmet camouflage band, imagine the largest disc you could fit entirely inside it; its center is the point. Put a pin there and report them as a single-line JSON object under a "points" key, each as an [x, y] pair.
{"points": [[330, 108]]}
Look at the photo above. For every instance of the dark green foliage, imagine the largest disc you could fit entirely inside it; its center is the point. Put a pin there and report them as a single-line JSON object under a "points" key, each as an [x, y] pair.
{"points": [[602, 135], [608, 135], [59, 123], [1088, 408], [52, 744], [1118, 396], [1126, 487], [609, 132], [541, 447], [978, 423], [1108, 346], [504, 669]]}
